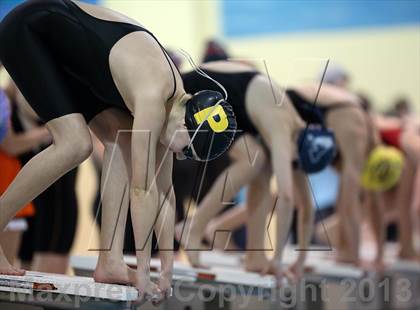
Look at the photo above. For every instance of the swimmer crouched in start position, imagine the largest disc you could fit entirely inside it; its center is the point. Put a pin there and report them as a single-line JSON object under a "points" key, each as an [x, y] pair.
{"points": [[276, 136], [82, 66], [338, 131]]}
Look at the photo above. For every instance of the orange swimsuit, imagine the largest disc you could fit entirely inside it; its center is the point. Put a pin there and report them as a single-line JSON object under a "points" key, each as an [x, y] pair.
{"points": [[9, 168]]}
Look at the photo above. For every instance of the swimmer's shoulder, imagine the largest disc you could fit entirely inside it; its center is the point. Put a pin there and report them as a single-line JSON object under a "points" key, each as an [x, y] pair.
{"points": [[104, 13]]}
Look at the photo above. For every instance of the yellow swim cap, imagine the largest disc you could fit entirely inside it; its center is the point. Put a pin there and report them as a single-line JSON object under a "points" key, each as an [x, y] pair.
{"points": [[383, 168]]}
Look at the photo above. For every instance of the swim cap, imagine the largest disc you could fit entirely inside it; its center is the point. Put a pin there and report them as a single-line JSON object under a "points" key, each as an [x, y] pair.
{"points": [[316, 148], [382, 169], [211, 123], [4, 115], [334, 74]]}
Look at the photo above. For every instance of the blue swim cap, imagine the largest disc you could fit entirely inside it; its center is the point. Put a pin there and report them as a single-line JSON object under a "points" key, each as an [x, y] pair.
{"points": [[316, 148]]}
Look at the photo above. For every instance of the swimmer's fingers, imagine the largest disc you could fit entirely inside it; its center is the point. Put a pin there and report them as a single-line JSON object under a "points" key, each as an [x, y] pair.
{"points": [[157, 299], [148, 292], [273, 268], [290, 276], [164, 295]]}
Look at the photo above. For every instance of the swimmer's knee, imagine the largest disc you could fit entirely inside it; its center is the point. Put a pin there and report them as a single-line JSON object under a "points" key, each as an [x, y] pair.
{"points": [[285, 199], [124, 141], [77, 152], [76, 149], [260, 160], [252, 154], [85, 148]]}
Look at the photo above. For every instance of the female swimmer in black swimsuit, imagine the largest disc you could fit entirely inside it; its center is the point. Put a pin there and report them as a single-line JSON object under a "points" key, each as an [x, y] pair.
{"points": [[82, 66]]}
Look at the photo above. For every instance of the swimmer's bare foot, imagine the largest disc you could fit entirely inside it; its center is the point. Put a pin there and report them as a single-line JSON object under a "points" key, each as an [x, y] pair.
{"points": [[7, 269], [377, 266], [194, 259], [347, 260], [115, 272], [345, 256], [190, 239], [409, 255], [255, 262], [210, 236]]}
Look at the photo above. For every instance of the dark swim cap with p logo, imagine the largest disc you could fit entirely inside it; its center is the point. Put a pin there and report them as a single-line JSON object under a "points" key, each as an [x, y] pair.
{"points": [[316, 148], [211, 124]]}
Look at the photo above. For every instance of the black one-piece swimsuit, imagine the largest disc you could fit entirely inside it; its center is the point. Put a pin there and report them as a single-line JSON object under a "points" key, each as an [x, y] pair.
{"points": [[58, 56]]}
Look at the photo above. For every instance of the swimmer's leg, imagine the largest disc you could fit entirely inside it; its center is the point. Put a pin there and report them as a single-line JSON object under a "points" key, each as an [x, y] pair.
{"points": [[115, 189], [410, 212], [241, 172], [353, 146], [405, 219], [260, 204], [229, 221], [71, 146]]}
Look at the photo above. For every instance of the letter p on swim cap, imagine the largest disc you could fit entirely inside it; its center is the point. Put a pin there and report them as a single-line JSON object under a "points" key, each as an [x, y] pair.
{"points": [[211, 124], [216, 116]]}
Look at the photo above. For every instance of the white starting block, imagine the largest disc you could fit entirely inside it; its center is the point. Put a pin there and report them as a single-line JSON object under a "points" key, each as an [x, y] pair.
{"points": [[327, 285], [225, 285], [38, 290], [196, 288]]}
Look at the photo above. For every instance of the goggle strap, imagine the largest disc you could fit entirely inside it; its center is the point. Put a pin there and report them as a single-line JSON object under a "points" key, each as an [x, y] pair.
{"points": [[202, 73]]}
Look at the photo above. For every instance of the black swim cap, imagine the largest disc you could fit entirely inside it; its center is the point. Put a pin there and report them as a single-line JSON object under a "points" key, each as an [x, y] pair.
{"points": [[211, 124]]}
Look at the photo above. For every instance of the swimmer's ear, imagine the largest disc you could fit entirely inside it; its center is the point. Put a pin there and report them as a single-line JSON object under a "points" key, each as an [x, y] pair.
{"points": [[184, 99]]}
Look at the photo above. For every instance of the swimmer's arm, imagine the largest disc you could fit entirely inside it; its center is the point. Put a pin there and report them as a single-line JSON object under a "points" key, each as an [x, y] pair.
{"points": [[148, 121], [306, 214], [165, 225], [281, 154], [15, 144]]}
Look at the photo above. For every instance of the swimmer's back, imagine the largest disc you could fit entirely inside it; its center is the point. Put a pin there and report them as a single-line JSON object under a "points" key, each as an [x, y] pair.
{"points": [[227, 67], [329, 95], [62, 64]]}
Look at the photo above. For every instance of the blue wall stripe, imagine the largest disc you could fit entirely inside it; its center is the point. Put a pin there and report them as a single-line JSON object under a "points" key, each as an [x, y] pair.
{"points": [[252, 17]]}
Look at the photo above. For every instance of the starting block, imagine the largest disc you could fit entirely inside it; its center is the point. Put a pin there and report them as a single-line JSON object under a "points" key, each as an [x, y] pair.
{"points": [[326, 285], [225, 285], [37, 290]]}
